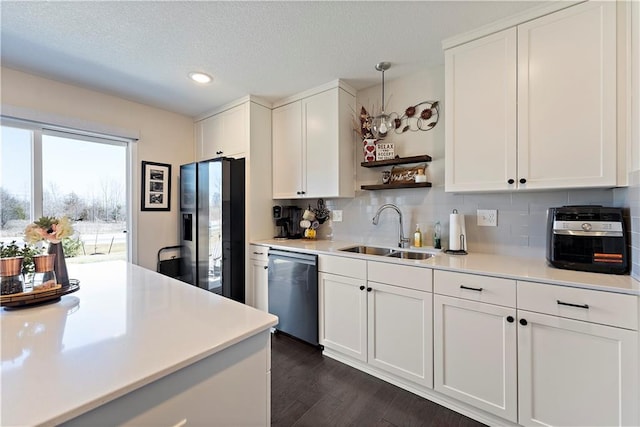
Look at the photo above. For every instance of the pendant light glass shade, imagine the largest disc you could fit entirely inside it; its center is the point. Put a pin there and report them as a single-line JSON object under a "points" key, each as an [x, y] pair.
{"points": [[382, 124]]}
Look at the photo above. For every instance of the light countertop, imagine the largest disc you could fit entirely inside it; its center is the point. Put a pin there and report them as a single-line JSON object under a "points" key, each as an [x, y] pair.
{"points": [[529, 269], [126, 327]]}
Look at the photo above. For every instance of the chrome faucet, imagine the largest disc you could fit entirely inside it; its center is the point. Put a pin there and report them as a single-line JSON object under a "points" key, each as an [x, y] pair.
{"points": [[404, 241]]}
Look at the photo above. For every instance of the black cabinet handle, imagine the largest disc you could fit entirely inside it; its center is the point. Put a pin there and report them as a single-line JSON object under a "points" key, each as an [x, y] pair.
{"points": [[522, 180], [362, 288], [510, 319], [258, 253], [511, 181], [218, 152], [470, 289], [523, 322], [265, 267], [585, 306], [303, 192], [369, 289], [297, 192]]}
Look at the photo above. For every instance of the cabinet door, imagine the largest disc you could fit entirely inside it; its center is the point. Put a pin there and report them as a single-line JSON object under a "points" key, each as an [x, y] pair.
{"points": [[576, 373], [400, 332], [480, 81], [321, 148], [475, 354], [259, 281], [236, 132], [343, 315], [287, 151], [567, 98], [212, 134]]}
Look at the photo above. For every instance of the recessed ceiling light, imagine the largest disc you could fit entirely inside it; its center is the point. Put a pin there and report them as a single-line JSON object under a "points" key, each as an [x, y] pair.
{"points": [[200, 77]]}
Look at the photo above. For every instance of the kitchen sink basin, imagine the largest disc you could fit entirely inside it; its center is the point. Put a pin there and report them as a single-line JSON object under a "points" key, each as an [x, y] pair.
{"points": [[369, 250], [410, 255]]}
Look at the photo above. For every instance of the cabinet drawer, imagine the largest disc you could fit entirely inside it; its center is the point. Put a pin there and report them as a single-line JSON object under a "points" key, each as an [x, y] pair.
{"points": [[259, 253], [492, 290], [343, 266], [606, 308], [416, 278]]}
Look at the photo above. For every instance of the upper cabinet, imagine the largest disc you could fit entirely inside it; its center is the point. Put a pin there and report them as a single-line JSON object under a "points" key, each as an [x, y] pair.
{"points": [[313, 148], [224, 134], [534, 106]]}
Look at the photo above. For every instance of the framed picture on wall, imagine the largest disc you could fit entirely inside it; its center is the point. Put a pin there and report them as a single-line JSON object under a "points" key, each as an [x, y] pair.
{"points": [[156, 186]]}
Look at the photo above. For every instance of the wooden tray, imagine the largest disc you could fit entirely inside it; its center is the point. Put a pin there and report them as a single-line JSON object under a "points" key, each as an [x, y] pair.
{"points": [[26, 299]]}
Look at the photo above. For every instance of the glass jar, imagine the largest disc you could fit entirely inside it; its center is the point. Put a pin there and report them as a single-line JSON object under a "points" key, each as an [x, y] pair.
{"points": [[44, 277], [11, 278]]}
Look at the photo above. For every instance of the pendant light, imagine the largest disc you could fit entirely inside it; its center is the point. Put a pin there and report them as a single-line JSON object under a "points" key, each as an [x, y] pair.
{"points": [[382, 123]]}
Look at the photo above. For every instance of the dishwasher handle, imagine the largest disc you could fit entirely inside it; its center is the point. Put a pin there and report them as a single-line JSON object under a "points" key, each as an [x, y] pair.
{"points": [[294, 256]]}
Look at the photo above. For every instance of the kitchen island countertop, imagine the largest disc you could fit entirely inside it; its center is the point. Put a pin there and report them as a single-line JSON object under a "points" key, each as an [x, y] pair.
{"points": [[125, 328], [511, 267]]}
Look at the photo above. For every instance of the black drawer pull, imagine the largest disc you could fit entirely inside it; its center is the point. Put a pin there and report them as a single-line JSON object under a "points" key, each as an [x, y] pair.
{"points": [[470, 289], [369, 289], [258, 253], [585, 306], [265, 267], [510, 319], [511, 181], [362, 288], [523, 322]]}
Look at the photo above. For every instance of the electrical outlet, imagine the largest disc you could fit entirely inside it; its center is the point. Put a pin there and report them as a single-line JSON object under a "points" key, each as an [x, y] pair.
{"points": [[336, 216], [487, 218]]}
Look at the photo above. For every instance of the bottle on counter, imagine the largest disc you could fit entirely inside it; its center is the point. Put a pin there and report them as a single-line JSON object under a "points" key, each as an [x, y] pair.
{"points": [[436, 236], [417, 237]]}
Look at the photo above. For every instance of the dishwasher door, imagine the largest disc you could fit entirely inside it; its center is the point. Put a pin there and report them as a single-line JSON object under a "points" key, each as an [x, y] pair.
{"points": [[293, 293]]}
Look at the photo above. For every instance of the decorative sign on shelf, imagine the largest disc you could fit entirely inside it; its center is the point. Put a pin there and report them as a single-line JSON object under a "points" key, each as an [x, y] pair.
{"points": [[405, 174], [385, 150]]}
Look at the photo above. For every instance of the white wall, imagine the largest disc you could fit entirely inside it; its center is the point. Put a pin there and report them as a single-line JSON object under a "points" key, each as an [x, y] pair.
{"points": [[165, 137], [521, 226]]}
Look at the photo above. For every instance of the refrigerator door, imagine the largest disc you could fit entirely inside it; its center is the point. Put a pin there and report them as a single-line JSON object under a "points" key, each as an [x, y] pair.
{"points": [[188, 222], [210, 220]]}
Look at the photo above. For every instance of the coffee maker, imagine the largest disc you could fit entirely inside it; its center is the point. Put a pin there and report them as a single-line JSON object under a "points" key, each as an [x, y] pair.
{"points": [[287, 220]]}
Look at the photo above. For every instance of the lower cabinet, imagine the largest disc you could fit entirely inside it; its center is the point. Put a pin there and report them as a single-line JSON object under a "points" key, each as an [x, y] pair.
{"points": [[475, 354], [400, 332], [259, 265], [343, 315], [386, 326], [577, 356]]}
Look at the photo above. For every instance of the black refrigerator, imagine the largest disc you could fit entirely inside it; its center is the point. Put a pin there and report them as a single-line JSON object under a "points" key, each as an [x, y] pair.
{"points": [[212, 211]]}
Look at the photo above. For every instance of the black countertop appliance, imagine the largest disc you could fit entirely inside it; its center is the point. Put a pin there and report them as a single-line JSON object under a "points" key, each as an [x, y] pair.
{"points": [[587, 238]]}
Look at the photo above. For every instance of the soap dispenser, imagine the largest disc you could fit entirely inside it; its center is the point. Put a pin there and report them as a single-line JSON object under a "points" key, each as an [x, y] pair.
{"points": [[417, 237]]}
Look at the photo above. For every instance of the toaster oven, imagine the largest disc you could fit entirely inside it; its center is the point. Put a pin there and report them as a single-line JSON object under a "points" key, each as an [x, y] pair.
{"points": [[587, 238]]}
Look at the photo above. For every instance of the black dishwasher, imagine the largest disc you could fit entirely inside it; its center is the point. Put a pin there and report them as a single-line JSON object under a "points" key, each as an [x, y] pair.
{"points": [[293, 293]]}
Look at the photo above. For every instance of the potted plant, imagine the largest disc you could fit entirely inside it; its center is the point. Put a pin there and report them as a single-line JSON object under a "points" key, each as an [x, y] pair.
{"points": [[16, 264]]}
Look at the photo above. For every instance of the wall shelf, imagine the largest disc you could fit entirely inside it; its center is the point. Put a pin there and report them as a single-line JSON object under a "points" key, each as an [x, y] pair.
{"points": [[395, 186], [396, 161]]}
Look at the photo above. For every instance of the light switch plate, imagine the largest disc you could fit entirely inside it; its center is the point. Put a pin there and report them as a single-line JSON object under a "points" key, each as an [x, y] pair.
{"points": [[336, 216], [487, 218]]}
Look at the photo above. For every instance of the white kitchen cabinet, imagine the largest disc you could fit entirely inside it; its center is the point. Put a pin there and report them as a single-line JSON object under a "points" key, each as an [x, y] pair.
{"points": [[259, 276], [343, 314], [313, 148], [576, 373], [400, 337], [572, 371], [387, 326], [508, 133], [475, 358], [224, 134]]}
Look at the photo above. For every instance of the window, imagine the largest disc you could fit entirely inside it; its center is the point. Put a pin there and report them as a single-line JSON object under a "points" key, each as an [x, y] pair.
{"points": [[52, 173]]}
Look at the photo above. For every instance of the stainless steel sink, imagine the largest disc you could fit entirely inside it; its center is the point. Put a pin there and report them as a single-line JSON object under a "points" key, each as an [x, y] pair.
{"points": [[411, 255], [369, 250]]}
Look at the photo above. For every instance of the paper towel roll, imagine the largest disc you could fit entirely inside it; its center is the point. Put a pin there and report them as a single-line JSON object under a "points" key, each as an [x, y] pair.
{"points": [[457, 232]]}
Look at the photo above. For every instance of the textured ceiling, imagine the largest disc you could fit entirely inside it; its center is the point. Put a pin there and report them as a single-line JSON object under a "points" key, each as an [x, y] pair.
{"points": [[144, 50]]}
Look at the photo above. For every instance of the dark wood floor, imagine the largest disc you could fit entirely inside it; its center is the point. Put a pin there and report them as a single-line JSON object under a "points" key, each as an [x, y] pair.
{"points": [[308, 389]]}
